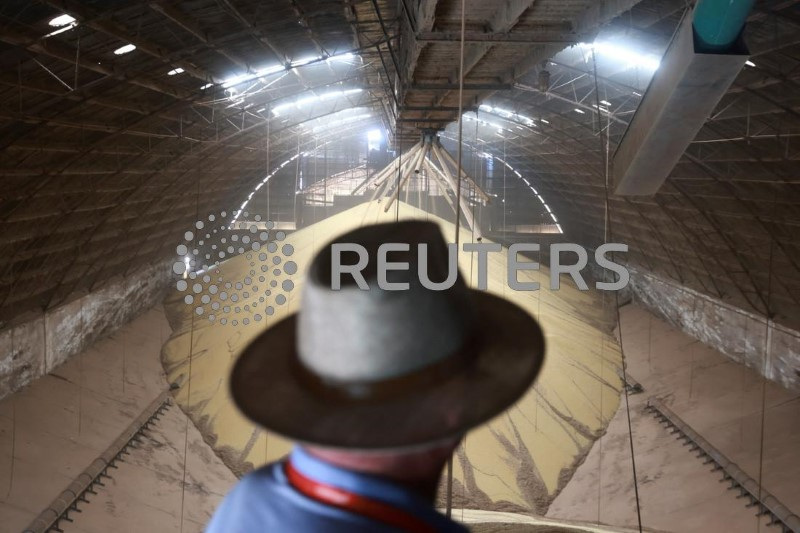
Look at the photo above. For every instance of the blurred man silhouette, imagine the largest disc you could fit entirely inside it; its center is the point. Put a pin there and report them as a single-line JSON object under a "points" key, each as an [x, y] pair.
{"points": [[377, 387]]}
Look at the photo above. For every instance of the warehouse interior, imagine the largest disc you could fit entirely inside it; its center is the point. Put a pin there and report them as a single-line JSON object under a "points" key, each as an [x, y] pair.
{"points": [[159, 160]]}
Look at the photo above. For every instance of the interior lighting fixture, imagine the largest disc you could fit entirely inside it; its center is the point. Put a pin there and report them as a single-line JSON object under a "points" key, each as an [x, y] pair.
{"points": [[61, 20], [128, 48]]}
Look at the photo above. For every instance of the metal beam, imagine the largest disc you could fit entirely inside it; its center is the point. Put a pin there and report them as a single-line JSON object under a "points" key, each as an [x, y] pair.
{"points": [[522, 38], [502, 22], [587, 24], [94, 20], [424, 17], [581, 105], [386, 36], [81, 124], [467, 86], [445, 120], [132, 106], [431, 108], [303, 20], [132, 150], [22, 37], [254, 31], [508, 13], [181, 19], [682, 95]]}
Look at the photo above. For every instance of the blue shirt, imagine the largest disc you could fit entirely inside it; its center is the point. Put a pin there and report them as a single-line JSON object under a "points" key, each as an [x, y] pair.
{"points": [[264, 500]]}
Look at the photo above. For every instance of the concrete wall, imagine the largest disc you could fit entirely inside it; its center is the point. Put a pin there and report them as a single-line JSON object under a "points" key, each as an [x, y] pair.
{"points": [[34, 346], [770, 349]]}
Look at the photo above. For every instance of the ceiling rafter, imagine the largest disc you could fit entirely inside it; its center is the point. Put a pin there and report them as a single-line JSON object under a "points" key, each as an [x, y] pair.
{"points": [[304, 23], [423, 18], [505, 17], [103, 23], [145, 187], [22, 37], [177, 181], [259, 35], [173, 13]]}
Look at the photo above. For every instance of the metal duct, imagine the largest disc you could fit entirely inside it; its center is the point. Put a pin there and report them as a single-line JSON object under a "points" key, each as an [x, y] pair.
{"points": [[685, 89]]}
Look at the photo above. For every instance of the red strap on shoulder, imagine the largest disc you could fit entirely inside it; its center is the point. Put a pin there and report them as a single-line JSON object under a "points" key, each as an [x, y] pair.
{"points": [[356, 503]]}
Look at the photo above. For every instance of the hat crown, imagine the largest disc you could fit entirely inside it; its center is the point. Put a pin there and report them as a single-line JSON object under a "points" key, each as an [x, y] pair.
{"points": [[353, 336]]}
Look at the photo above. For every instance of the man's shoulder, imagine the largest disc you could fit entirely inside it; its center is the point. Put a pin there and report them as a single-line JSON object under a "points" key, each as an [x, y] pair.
{"points": [[256, 484], [263, 500], [254, 502], [259, 478]]}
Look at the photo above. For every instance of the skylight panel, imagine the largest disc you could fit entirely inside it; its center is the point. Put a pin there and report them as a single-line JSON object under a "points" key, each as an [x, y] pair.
{"points": [[61, 20], [128, 48]]}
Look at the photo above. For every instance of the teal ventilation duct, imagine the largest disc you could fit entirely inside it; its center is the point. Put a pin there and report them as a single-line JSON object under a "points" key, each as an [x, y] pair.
{"points": [[718, 23], [701, 63]]}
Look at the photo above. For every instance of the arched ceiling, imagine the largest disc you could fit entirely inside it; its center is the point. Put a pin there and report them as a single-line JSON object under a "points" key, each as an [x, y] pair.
{"points": [[726, 222], [106, 158]]}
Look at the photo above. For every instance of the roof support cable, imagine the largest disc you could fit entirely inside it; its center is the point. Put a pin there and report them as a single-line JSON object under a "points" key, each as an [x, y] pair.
{"points": [[460, 119], [53, 74], [607, 231], [399, 168], [457, 202], [77, 61], [177, 390], [269, 110], [762, 494]]}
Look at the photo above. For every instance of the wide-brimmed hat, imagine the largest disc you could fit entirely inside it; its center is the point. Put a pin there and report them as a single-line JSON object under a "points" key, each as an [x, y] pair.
{"points": [[382, 367]]}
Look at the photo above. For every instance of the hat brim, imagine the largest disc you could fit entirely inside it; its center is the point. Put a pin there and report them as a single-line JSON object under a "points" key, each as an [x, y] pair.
{"points": [[268, 391]]}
